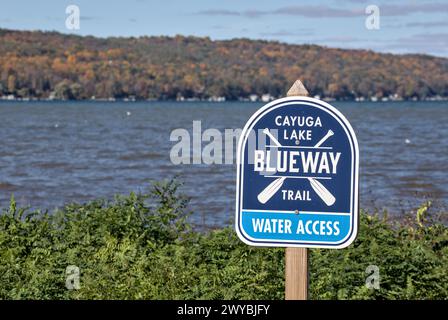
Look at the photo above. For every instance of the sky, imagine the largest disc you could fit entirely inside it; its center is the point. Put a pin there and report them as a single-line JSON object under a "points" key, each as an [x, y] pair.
{"points": [[405, 26]]}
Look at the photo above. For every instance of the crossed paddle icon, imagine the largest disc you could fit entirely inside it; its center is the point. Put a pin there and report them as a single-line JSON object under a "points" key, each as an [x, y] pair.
{"points": [[318, 187]]}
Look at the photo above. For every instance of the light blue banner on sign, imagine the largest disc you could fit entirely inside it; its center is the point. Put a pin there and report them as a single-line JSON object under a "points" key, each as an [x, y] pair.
{"points": [[314, 227]]}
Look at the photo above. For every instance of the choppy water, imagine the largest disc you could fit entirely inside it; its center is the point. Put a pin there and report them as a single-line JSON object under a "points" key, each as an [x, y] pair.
{"points": [[52, 153]]}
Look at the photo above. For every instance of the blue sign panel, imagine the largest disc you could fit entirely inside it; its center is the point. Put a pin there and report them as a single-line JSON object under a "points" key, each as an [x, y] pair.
{"points": [[297, 176]]}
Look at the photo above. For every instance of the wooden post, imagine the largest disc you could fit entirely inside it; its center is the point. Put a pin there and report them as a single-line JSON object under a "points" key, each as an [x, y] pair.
{"points": [[296, 259]]}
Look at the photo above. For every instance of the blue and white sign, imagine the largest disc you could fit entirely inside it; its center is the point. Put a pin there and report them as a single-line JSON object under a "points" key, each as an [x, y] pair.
{"points": [[297, 176]]}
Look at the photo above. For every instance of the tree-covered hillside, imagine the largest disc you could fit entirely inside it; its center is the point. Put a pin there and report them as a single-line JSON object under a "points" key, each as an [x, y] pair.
{"points": [[50, 64]]}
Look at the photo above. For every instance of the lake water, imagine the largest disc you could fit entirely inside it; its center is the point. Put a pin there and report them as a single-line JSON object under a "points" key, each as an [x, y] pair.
{"points": [[52, 153]]}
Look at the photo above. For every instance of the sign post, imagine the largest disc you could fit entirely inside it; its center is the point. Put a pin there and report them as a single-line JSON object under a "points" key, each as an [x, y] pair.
{"points": [[296, 259], [297, 181]]}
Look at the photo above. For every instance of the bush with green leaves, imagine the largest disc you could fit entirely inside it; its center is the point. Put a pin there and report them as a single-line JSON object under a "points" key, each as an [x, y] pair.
{"points": [[142, 247]]}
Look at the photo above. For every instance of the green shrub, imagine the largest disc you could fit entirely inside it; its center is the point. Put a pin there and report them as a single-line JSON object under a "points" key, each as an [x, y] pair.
{"points": [[141, 247]]}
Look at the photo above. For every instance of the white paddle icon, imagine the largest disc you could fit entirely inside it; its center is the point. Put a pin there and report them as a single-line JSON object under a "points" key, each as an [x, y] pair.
{"points": [[318, 187]]}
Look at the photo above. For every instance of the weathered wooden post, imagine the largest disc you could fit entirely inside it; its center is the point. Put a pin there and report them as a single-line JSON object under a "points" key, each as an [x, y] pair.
{"points": [[296, 259]]}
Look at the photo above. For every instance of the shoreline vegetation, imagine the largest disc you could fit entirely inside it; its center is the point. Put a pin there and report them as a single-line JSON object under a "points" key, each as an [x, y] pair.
{"points": [[142, 247], [54, 66]]}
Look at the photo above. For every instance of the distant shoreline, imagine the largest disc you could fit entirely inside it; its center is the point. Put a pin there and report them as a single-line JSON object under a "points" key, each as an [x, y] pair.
{"points": [[194, 100]]}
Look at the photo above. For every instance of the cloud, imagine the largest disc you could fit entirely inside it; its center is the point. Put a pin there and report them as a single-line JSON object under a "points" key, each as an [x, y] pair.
{"points": [[403, 10], [323, 11], [288, 33], [318, 12], [87, 18], [432, 43], [422, 43], [428, 24], [254, 13], [425, 25], [305, 11], [426, 38], [343, 39], [219, 12], [392, 26]]}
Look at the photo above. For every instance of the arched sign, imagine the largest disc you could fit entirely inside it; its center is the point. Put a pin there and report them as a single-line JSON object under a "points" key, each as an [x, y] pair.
{"points": [[297, 176]]}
